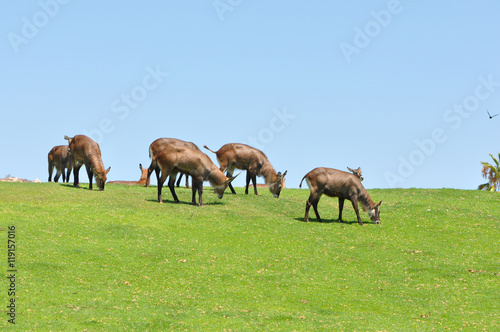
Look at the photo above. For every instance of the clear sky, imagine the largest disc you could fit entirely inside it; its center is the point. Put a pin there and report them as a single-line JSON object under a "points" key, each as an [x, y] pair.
{"points": [[400, 88]]}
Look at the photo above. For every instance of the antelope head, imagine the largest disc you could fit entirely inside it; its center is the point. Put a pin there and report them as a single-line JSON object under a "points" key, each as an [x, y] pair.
{"points": [[374, 213], [275, 188], [356, 172], [100, 179], [219, 190]]}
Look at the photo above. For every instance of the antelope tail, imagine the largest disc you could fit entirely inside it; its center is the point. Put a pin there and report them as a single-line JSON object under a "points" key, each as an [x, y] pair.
{"points": [[300, 185], [206, 147]]}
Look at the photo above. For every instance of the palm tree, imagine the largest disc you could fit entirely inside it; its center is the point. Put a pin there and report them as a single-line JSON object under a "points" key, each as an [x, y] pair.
{"points": [[492, 173]]}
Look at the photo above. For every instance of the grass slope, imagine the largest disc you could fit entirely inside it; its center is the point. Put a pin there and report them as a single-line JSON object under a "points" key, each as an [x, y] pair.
{"points": [[118, 259]]}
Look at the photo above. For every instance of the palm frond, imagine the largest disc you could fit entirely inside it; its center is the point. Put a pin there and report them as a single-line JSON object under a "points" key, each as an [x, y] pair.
{"points": [[484, 186], [496, 160], [492, 173]]}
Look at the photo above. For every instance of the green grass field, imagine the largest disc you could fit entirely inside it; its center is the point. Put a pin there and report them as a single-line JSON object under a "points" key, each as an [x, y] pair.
{"points": [[90, 260]]}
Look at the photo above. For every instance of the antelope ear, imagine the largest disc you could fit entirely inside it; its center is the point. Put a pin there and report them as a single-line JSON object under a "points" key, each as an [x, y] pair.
{"points": [[278, 177], [350, 169], [107, 171], [284, 173], [379, 203], [228, 181], [140, 167]]}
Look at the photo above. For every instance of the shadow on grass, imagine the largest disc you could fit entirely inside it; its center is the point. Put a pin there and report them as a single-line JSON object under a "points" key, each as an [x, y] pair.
{"points": [[168, 201], [69, 185], [331, 221]]}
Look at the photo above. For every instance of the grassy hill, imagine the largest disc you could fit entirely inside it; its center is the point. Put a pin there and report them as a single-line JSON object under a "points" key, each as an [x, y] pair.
{"points": [[118, 259]]}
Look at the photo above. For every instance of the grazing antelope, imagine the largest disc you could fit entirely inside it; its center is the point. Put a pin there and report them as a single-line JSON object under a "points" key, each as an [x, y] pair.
{"points": [[84, 151], [335, 183], [60, 159], [254, 161], [157, 146], [142, 180], [356, 172], [174, 159]]}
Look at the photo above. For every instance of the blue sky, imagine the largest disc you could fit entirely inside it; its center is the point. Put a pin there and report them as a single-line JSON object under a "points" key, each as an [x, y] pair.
{"points": [[399, 88]]}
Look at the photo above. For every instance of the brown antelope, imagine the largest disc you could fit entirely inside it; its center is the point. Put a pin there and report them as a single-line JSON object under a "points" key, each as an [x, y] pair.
{"points": [[84, 151], [174, 159], [335, 183], [60, 159], [142, 180], [254, 161], [157, 146], [356, 172]]}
